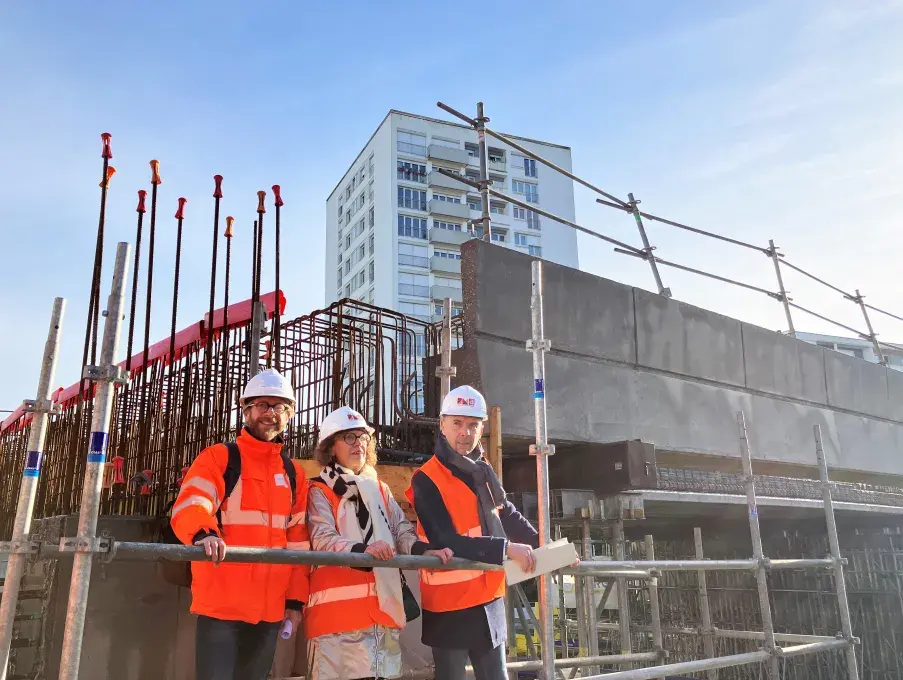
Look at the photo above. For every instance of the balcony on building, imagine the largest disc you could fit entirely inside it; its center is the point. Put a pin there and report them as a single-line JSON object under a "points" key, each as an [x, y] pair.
{"points": [[448, 237], [446, 265], [439, 181], [448, 154], [448, 209], [442, 292]]}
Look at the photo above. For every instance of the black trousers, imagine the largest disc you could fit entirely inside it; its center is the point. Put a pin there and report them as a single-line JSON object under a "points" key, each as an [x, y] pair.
{"points": [[234, 650], [487, 665]]}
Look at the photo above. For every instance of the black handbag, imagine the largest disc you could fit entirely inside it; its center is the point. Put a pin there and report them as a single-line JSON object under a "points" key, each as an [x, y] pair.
{"points": [[411, 608]]}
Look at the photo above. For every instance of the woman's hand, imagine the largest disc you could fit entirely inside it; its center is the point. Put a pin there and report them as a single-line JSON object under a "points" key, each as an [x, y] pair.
{"points": [[444, 554], [380, 550]]}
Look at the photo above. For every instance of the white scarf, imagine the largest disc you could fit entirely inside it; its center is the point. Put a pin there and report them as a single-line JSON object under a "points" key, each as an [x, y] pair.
{"points": [[362, 517]]}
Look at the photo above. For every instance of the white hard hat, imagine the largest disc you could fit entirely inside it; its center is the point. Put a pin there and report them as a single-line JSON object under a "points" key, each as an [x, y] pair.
{"points": [[464, 401], [344, 418], [268, 383]]}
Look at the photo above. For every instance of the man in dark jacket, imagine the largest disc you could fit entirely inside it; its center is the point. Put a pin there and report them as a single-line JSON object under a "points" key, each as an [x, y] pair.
{"points": [[477, 632]]}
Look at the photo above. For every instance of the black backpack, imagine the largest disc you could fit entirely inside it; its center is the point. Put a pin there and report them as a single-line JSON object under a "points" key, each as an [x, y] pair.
{"points": [[179, 573]]}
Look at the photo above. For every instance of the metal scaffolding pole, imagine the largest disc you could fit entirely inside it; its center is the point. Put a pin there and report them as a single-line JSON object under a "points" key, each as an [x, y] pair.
{"points": [[623, 601], [654, 609], [41, 407], [485, 217], [633, 203], [840, 584], [538, 345], [84, 545], [589, 592], [771, 665], [772, 252], [708, 638], [859, 299], [445, 371]]}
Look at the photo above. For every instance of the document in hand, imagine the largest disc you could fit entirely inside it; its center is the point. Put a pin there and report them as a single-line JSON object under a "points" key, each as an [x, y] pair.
{"points": [[555, 555]]}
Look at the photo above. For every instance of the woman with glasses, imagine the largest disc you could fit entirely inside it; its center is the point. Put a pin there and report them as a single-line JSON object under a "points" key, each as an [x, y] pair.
{"points": [[354, 616]]}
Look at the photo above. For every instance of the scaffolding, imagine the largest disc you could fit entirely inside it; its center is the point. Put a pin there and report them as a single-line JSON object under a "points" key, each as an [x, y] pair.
{"points": [[355, 353]]}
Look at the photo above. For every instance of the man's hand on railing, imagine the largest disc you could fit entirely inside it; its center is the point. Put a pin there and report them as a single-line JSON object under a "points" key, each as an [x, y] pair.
{"points": [[214, 546], [444, 554]]}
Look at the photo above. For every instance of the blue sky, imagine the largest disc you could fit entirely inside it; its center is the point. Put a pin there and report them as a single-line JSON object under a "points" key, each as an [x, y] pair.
{"points": [[757, 120]]}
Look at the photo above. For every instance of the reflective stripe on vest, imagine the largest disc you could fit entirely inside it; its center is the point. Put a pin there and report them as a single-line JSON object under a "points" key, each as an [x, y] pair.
{"points": [[340, 593], [233, 515]]}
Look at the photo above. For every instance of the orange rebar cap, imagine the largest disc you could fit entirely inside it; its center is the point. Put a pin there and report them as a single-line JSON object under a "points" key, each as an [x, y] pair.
{"points": [[180, 211], [218, 191], [229, 222], [155, 172], [107, 149]]}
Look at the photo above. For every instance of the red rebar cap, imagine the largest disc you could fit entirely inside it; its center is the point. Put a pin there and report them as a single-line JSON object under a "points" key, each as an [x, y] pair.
{"points": [[218, 191], [261, 197], [182, 202], [107, 149], [155, 172], [276, 190], [142, 194], [229, 222], [110, 172]]}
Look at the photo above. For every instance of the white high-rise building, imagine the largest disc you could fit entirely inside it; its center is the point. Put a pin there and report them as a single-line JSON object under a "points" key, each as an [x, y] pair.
{"points": [[394, 225]]}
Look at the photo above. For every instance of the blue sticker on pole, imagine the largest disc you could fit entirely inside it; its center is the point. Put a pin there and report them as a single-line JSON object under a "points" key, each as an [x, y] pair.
{"points": [[539, 389], [97, 451], [32, 464], [754, 511]]}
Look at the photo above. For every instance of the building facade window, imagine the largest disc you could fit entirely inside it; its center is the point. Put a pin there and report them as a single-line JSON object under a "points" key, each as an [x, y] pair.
{"points": [[446, 198], [413, 285], [456, 310], [497, 208], [371, 217], [412, 172], [419, 310], [339, 284], [451, 144], [412, 227], [450, 226], [410, 255], [447, 254], [348, 266], [411, 143], [499, 236], [372, 268], [372, 243], [529, 167], [474, 203], [415, 199], [347, 241], [447, 282], [361, 252]]}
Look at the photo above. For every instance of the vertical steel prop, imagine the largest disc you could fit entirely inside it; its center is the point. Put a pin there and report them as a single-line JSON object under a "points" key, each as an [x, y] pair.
{"points": [[771, 665], [230, 221], [840, 584], [538, 345], [445, 371], [654, 609], [485, 213], [775, 256], [647, 249], [589, 591], [85, 544], [708, 633], [623, 593], [872, 337], [42, 407]]}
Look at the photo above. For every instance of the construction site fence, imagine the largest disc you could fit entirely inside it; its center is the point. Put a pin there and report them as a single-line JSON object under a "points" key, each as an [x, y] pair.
{"points": [[776, 259]]}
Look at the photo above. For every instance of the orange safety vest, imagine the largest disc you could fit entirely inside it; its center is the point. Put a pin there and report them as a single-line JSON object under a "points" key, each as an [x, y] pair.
{"points": [[445, 591], [260, 512], [343, 599]]}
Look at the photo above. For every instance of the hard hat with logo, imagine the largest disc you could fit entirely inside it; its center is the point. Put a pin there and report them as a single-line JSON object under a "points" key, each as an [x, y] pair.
{"points": [[269, 383], [464, 401], [343, 418]]}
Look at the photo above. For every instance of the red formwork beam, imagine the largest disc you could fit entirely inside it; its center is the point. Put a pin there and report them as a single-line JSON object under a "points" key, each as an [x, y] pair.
{"points": [[239, 315]]}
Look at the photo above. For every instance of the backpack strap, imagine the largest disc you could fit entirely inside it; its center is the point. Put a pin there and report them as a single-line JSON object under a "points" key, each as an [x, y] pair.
{"points": [[290, 473], [231, 475]]}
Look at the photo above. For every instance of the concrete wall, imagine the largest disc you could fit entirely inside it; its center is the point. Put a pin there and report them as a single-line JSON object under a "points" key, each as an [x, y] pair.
{"points": [[629, 364]]}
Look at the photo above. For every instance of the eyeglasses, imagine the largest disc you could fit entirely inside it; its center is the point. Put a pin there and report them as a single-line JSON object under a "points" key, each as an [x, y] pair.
{"points": [[262, 407], [350, 438]]}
